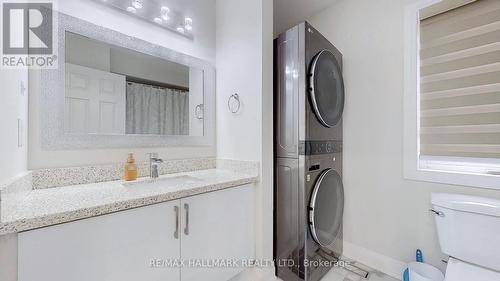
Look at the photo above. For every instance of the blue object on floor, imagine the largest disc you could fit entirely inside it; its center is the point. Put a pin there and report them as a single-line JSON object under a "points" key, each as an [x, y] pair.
{"points": [[419, 256], [419, 271], [406, 275]]}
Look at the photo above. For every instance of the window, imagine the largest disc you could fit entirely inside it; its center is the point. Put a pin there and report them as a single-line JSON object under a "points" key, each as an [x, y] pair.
{"points": [[452, 95]]}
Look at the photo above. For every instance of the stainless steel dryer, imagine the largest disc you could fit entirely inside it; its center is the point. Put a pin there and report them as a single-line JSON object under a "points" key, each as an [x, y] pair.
{"points": [[309, 195]]}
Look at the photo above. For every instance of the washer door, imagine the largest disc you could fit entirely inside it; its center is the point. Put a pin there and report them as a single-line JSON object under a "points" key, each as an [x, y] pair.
{"points": [[326, 208], [326, 88]]}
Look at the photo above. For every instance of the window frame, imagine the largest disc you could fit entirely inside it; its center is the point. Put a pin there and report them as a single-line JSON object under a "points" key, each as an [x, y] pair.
{"points": [[460, 171]]}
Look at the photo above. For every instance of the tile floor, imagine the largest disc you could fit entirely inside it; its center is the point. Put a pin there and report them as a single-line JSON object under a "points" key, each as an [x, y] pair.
{"points": [[336, 274], [340, 274]]}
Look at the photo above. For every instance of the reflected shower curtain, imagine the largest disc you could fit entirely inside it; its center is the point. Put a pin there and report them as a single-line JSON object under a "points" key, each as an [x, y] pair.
{"points": [[157, 111]]}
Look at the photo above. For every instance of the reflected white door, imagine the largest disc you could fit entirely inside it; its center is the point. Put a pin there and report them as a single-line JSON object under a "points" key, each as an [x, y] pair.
{"points": [[95, 101]]}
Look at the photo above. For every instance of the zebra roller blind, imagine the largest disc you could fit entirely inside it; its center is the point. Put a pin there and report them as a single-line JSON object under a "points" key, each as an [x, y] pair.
{"points": [[460, 82]]}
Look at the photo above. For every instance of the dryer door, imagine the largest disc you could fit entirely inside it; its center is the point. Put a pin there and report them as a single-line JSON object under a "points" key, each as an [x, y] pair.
{"points": [[326, 208], [326, 88]]}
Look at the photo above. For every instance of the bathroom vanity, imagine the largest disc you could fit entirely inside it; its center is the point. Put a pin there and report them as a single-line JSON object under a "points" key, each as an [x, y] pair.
{"points": [[195, 225], [147, 243]]}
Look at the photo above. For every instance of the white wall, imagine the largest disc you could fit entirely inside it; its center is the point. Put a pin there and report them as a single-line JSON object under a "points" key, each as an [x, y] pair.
{"points": [[244, 66], [239, 70], [266, 193], [13, 106], [83, 51], [203, 46], [384, 212], [288, 13], [148, 67]]}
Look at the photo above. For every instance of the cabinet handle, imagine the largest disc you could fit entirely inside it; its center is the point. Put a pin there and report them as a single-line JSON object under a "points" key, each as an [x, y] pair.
{"points": [[438, 213], [186, 229], [176, 233]]}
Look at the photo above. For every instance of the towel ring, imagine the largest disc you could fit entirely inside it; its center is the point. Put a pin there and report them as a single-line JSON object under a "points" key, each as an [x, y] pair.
{"points": [[198, 112], [234, 103]]}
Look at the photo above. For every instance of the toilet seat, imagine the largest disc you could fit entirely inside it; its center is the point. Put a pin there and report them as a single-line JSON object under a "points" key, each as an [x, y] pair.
{"points": [[461, 271]]}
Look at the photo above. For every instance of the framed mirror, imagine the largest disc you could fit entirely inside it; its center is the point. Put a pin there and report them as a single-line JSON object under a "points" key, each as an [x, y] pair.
{"points": [[112, 90]]}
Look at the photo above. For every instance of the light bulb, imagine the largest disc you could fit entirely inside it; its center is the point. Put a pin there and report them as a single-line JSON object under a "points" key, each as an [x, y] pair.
{"points": [[137, 4], [131, 10], [164, 12], [158, 20], [188, 24]]}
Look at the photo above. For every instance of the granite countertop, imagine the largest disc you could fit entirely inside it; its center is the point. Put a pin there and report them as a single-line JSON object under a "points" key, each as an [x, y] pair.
{"points": [[37, 208]]}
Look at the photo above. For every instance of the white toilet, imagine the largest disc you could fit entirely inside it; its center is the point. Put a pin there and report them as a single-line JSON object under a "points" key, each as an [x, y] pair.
{"points": [[469, 232]]}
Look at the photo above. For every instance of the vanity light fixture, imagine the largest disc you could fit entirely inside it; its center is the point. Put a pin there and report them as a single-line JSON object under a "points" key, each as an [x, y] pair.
{"points": [[131, 10], [188, 24], [137, 4], [157, 12]]}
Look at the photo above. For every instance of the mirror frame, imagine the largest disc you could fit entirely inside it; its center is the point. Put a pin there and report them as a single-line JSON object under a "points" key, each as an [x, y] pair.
{"points": [[52, 98]]}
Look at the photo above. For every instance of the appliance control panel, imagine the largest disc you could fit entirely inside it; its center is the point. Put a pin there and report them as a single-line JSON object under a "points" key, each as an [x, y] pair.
{"points": [[319, 147]]}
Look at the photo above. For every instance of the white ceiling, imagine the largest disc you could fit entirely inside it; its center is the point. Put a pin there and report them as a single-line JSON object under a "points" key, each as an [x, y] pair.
{"points": [[287, 13]]}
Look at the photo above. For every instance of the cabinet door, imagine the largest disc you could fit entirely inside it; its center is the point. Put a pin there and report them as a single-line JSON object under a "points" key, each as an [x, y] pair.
{"points": [[114, 247], [217, 226]]}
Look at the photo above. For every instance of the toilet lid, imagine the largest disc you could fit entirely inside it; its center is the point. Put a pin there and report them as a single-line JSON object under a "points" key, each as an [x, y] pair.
{"points": [[462, 271]]}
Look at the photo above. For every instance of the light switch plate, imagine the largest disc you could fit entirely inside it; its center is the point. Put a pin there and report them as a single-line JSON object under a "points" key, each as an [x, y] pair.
{"points": [[20, 133], [23, 88]]}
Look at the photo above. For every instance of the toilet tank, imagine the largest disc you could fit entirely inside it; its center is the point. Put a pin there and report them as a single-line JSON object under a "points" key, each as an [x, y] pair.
{"points": [[469, 228]]}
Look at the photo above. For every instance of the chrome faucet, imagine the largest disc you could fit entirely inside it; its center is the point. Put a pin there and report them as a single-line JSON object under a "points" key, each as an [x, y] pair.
{"points": [[153, 165]]}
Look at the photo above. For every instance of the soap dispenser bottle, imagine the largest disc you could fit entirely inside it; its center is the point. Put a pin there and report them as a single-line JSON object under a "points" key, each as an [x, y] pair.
{"points": [[130, 168]]}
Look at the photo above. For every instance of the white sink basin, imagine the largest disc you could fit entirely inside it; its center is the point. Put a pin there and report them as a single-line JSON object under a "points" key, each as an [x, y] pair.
{"points": [[162, 182]]}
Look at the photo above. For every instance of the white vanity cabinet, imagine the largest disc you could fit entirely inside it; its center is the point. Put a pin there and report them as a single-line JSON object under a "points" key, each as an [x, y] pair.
{"points": [[112, 247], [121, 246], [220, 227]]}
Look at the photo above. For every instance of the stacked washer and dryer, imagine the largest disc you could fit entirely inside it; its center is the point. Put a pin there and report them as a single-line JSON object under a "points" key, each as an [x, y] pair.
{"points": [[309, 195]]}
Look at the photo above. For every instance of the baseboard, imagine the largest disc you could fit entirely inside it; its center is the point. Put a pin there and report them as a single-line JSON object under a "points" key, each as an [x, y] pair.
{"points": [[384, 264]]}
